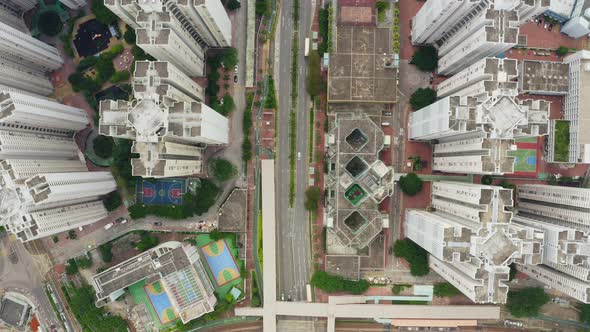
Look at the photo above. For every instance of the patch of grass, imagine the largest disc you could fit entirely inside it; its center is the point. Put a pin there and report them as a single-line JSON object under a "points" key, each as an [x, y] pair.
{"points": [[292, 148], [311, 129], [382, 7], [271, 99], [259, 239], [562, 141], [398, 288]]}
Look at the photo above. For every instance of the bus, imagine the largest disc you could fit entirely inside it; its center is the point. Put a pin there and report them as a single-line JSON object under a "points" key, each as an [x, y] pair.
{"points": [[309, 299], [306, 46]]}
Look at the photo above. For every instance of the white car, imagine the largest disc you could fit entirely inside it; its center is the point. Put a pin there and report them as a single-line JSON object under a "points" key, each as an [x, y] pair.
{"points": [[236, 69], [298, 155]]}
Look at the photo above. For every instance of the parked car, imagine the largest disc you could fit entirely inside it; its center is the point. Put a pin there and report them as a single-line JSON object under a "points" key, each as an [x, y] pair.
{"points": [[235, 78], [121, 221], [236, 69], [108, 226], [157, 223]]}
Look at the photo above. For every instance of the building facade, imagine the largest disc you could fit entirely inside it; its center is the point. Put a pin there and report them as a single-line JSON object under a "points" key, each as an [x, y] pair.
{"points": [[45, 187], [563, 215], [176, 31], [169, 126], [471, 238], [576, 99]]}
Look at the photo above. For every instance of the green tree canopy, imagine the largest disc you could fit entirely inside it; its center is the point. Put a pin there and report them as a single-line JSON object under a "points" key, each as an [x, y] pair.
{"points": [[584, 315], [230, 57], [120, 76], [422, 98], [232, 4], [91, 318], [146, 242], [103, 14], [50, 23], [112, 201], [105, 251], [71, 267], [314, 80], [129, 35], [312, 199], [562, 50], [526, 302], [223, 170], [333, 283], [486, 179], [103, 146], [410, 184], [415, 255], [425, 58], [445, 289]]}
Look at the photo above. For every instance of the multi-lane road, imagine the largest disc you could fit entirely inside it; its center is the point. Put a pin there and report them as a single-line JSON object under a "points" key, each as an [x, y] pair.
{"points": [[293, 225]]}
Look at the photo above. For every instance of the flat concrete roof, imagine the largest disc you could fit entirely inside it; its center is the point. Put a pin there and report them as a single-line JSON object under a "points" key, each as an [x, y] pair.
{"points": [[269, 273], [358, 71], [544, 77]]}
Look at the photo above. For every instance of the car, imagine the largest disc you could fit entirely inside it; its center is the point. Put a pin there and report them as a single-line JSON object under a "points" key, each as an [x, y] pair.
{"points": [[121, 221], [283, 296], [236, 69], [545, 26], [298, 155], [387, 113], [235, 78], [157, 223], [550, 27]]}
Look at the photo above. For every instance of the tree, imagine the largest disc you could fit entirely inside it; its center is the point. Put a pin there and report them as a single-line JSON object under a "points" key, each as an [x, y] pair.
{"points": [[103, 14], [49, 23], [562, 50], [146, 242], [103, 146], [216, 235], [422, 98], [112, 201], [104, 69], [445, 289], [205, 196], [71, 267], [120, 76], [223, 170], [262, 7], [230, 57], [333, 283], [72, 234], [129, 35], [486, 179], [425, 58], [227, 106], [526, 302], [312, 199], [415, 255], [314, 79], [232, 5], [410, 184], [507, 185], [55, 239], [84, 262], [105, 252], [81, 302], [584, 315], [513, 271]]}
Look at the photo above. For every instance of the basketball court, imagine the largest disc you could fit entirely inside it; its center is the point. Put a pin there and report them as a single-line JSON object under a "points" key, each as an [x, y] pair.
{"points": [[160, 303], [161, 192], [221, 262], [526, 156]]}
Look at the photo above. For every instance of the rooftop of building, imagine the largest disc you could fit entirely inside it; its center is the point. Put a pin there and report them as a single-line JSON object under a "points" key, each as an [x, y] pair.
{"points": [[358, 179], [361, 68], [13, 312], [544, 77], [233, 212]]}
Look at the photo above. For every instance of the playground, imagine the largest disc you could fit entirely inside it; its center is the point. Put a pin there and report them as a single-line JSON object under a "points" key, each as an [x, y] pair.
{"points": [[161, 192], [219, 259], [526, 155]]}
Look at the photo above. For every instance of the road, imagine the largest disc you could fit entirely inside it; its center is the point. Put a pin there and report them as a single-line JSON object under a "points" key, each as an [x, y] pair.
{"points": [[22, 272], [293, 227]]}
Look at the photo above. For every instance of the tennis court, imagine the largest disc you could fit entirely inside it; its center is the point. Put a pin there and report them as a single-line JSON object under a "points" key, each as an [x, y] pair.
{"points": [[160, 302], [221, 262], [161, 192]]}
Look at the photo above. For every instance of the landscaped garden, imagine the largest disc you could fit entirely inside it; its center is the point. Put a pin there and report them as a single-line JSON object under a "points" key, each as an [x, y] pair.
{"points": [[562, 141]]}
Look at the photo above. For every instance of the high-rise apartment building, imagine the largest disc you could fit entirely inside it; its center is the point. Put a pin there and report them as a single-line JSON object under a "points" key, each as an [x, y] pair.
{"points": [[176, 31], [45, 187], [20, 47], [471, 239], [576, 101], [478, 118], [563, 214], [169, 125], [23, 72], [464, 31]]}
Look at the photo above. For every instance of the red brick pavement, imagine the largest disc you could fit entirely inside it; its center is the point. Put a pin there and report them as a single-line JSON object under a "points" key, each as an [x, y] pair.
{"points": [[539, 37], [407, 10]]}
